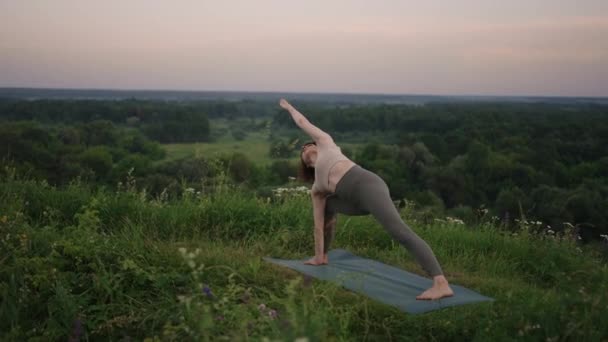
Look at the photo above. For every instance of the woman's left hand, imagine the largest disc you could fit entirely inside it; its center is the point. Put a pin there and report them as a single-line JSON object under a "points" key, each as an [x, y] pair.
{"points": [[284, 104], [315, 261]]}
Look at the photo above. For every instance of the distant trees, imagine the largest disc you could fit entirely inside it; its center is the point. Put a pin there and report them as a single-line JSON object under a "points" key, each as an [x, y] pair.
{"points": [[161, 121], [542, 161], [530, 160], [92, 150]]}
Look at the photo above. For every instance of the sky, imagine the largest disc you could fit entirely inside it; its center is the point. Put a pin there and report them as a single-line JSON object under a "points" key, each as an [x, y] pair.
{"points": [[464, 47]]}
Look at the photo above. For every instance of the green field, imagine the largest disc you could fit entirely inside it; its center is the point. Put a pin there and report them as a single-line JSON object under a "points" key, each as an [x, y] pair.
{"points": [[95, 265], [256, 147]]}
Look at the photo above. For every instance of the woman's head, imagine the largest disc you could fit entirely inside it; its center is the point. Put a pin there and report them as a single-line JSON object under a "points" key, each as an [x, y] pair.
{"points": [[307, 170]]}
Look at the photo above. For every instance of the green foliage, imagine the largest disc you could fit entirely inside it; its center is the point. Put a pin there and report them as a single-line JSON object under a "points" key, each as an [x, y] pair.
{"points": [[91, 264], [543, 161], [98, 159], [281, 149]]}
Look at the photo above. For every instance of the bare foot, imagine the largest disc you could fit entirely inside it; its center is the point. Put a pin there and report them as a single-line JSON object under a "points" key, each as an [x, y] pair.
{"points": [[440, 289]]}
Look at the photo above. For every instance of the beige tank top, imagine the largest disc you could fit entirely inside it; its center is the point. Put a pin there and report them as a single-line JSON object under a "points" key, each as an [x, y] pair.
{"points": [[328, 154]]}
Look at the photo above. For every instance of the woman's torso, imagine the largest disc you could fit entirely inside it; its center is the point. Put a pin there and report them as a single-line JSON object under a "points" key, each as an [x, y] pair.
{"points": [[337, 171], [331, 165]]}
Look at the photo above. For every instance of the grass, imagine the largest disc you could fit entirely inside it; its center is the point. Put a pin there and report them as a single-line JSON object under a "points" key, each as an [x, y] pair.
{"points": [[255, 147], [85, 263]]}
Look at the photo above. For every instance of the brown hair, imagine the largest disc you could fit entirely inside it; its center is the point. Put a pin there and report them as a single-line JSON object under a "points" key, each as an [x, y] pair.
{"points": [[305, 173]]}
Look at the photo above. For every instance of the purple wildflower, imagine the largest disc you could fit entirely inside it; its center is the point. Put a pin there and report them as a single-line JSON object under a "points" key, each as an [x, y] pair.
{"points": [[219, 317], [272, 314], [207, 291], [76, 330]]}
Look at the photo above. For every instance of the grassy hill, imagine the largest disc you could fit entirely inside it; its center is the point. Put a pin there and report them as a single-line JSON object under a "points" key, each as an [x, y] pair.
{"points": [[102, 265]]}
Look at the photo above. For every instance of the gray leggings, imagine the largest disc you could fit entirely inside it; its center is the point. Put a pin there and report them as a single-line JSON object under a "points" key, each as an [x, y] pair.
{"points": [[362, 192]]}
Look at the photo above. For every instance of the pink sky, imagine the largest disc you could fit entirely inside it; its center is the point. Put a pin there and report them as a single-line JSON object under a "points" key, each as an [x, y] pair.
{"points": [[534, 47]]}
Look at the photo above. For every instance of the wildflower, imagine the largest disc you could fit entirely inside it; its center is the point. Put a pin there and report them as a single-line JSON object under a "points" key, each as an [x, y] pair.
{"points": [[219, 317], [262, 307], [272, 314], [549, 231], [207, 291], [76, 330], [454, 220], [604, 236]]}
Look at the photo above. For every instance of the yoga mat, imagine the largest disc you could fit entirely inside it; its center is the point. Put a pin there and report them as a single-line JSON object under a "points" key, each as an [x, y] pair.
{"points": [[387, 284]]}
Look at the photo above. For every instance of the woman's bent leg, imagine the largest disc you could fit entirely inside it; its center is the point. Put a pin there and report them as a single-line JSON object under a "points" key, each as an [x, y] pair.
{"points": [[333, 206]]}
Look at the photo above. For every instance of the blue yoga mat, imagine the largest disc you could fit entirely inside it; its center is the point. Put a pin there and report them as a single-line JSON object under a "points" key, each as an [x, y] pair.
{"points": [[387, 284]]}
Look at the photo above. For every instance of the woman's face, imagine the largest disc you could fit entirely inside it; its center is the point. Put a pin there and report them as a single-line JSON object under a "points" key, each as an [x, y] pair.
{"points": [[307, 153]]}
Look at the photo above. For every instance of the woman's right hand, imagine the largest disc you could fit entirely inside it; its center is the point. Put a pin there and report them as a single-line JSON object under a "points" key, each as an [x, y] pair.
{"points": [[284, 104]]}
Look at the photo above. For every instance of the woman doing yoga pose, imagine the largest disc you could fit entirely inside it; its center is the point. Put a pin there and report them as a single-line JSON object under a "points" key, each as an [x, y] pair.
{"points": [[341, 186]]}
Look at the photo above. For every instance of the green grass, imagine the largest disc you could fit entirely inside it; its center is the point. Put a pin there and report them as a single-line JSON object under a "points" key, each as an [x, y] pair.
{"points": [[111, 263], [255, 147]]}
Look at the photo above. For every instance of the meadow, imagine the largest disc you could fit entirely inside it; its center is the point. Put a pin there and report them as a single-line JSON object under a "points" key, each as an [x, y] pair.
{"points": [[93, 264], [256, 144]]}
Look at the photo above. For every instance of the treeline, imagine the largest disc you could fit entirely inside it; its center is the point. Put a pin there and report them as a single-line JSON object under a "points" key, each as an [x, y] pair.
{"points": [[538, 161], [541, 161], [96, 151], [166, 122], [102, 153]]}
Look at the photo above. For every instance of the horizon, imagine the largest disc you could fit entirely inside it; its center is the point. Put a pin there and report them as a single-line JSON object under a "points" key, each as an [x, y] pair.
{"points": [[84, 89], [474, 48]]}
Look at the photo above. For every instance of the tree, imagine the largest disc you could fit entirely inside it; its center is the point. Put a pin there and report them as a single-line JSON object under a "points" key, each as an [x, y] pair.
{"points": [[98, 159]]}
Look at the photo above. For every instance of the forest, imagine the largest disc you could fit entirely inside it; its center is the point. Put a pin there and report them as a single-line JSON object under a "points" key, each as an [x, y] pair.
{"points": [[541, 161]]}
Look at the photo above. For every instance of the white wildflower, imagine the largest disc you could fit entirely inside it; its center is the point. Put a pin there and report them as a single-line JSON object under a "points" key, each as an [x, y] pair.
{"points": [[454, 220]]}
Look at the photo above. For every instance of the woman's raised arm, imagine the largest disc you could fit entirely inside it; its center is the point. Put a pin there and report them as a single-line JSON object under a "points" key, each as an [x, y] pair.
{"points": [[313, 131]]}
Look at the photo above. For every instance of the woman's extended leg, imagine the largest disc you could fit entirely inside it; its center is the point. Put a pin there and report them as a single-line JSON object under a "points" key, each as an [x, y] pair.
{"points": [[373, 195], [378, 201]]}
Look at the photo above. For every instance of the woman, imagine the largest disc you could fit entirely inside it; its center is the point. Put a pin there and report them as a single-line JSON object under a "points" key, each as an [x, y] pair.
{"points": [[341, 186]]}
